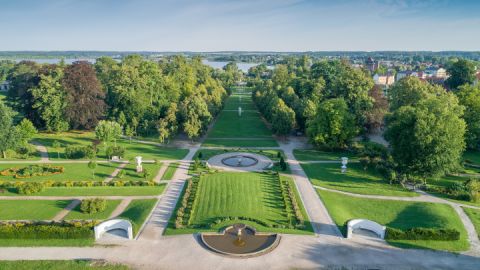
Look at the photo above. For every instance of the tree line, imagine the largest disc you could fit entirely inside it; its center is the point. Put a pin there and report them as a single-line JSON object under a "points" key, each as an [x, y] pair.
{"points": [[146, 98]]}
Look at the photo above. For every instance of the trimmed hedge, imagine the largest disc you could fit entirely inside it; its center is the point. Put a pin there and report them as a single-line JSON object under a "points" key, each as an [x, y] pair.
{"points": [[32, 170], [46, 184], [30, 188], [63, 230], [422, 234], [92, 206]]}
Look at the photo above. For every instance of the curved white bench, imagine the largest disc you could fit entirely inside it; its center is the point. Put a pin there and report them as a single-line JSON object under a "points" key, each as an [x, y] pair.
{"points": [[114, 224], [366, 225]]}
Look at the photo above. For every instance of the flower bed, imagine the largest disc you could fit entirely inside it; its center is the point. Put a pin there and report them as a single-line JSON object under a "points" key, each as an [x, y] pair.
{"points": [[32, 170]]}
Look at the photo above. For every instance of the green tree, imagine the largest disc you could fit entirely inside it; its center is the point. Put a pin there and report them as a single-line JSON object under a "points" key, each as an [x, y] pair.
{"points": [[8, 134], [469, 97], [461, 72], [283, 119], [108, 131], [92, 165], [25, 131], [195, 115], [49, 100], [333, 126], [410, 91], [427, 139]]}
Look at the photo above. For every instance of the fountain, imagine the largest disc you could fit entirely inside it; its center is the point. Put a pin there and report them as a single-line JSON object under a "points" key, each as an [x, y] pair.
{"points": [[240, 240], [240, 161]]}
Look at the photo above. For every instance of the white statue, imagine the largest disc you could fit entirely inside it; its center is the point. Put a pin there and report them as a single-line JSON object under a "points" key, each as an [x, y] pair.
{"points": [[239, 111], [138, 159], [344, 164]]}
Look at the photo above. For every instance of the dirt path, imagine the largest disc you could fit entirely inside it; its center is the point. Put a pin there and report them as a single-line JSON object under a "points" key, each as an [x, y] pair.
{"points": [[66, 210], [120, 208], [116, 172], [161, 172]]}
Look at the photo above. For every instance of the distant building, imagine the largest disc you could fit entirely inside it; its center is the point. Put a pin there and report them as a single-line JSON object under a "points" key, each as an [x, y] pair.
{"points": [[436, 72], [371, 64], [4, 86], [384, 80]]}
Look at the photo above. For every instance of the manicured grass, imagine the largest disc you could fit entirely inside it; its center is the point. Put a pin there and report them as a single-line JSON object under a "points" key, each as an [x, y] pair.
{"points": [[310, 155], [132, 175], [46, 243], [59, 265], [77, 214], [30, 210], [355, 180], [137, 212], [95, 191], [170, 171], [132, 148], [240, 143], [473, 156], [231, 194], [73, 172], [400, 215], [474, 215]]}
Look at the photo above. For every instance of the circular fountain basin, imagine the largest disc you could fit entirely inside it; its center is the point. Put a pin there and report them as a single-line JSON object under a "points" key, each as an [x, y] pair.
{"points": [[240, 161], [248, 243]]}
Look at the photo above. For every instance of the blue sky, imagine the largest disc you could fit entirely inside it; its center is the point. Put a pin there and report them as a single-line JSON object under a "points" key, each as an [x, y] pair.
{"points": [[263, 25]]}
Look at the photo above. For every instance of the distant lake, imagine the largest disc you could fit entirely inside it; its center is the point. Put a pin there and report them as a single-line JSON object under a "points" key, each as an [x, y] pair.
{"points": [[215, 64]]}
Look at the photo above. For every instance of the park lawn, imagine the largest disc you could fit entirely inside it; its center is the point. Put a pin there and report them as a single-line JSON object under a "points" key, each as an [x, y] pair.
{"points": [[72, 172], [77, 214], [398, 214], [59, 265], [355, 180], [137, 212], [312, 155], [474, 215], [95, 191], [31, 209], [444, 182], [230, 125], [132, 175], [132, 148], [170, 171], [232, 194], [472, 156], [267, 142]]}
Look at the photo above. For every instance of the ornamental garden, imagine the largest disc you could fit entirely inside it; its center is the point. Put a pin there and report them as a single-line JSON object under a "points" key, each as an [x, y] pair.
{"points": [[57, 184]]}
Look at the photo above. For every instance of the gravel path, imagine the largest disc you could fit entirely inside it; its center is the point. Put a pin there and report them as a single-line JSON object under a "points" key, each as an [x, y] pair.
{"points": [[115, 172], [42, 150], [66, 210], [120, 208], [161, 172]]}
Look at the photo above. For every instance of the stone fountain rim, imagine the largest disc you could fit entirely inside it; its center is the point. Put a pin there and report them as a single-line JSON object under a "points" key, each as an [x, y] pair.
{"points": [[245, 255], [240, 155]]}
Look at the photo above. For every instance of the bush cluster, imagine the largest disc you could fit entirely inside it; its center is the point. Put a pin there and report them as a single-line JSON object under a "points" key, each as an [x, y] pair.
{"points": [[33, 170], [92, 206], [186, 206], [46, 184], [30, 188], [466, 191], [291, 204], [46, 230], [111, 151], [80, 151], [422, 234]]}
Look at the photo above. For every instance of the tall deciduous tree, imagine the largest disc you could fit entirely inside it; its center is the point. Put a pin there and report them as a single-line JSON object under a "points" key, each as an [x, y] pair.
{"points": [[469, 97], [410, 91], [195, 116], [8, 134], [427, 138], [283, 119], [333, 126], [25, 131], [85, 98], [108, 131], [461, 72], [376, 114]]}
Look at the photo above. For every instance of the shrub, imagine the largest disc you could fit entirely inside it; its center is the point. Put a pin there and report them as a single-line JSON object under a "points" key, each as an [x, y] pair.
{"points": [[115, 151], [79, 151], [30, 188], [32, 170], [63, 230], [283, 164], [423, 234], [121, 174], [472, 186], [92, 206]]}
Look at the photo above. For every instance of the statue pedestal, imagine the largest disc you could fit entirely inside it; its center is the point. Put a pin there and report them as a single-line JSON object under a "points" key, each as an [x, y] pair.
{"points": [[139, 169]]}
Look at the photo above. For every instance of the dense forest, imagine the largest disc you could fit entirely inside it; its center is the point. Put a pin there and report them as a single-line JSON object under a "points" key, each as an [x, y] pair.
{"points": [[145, 97]]}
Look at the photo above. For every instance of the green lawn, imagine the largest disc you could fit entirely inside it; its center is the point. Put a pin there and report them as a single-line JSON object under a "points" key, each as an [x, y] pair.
{"points": [[231, 194], [400, 215], [308, 155], [474, 215], [137, 212], [240, 143], [132, 175], [355, 180], [95, 191], [59, 265], [170, 171], [132, 149], [46, 243], [444, 182], [30, 210], [473, 156], [77, 214], [73, 172]]}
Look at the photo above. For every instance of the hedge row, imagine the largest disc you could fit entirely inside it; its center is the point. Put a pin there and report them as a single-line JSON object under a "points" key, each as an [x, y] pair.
{"points": [[32, 170], [43, 230], [423, 234], [291, 203], [5, 184], [185, 211]]}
